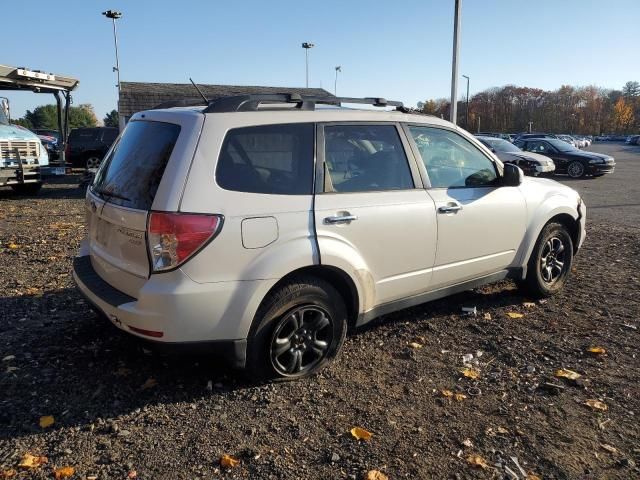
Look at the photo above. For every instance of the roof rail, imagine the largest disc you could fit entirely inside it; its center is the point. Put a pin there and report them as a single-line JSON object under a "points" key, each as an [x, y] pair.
{"points": [[249, 103]]}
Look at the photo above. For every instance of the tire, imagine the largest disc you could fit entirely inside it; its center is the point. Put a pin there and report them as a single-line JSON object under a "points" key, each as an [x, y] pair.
{"points": [[28, 189], [298, 329], [545, 277], [92, 162], [576, 169]]}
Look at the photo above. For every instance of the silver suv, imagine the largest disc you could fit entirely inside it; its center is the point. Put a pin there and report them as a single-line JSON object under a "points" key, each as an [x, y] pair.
{"points": [[263, 226]]}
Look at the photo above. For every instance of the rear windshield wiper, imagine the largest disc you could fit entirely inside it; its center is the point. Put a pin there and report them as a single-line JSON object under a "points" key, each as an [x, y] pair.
{"points": [[110, 194]]}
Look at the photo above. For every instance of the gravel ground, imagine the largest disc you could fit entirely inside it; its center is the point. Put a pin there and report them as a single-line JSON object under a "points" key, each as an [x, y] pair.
{"points": [[119, 408]]}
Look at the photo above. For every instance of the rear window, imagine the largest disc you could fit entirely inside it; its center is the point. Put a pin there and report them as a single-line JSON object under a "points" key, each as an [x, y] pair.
{"points": [[273, 159], [131, 173]]}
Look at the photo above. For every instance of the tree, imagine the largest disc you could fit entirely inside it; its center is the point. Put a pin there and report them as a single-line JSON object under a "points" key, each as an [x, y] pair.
{"points": [[622, 116], [631, 89], [46, 116], [111, 119]]}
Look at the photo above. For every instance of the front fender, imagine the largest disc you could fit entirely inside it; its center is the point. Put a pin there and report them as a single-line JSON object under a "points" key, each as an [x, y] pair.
{"points": [[552, 207]]}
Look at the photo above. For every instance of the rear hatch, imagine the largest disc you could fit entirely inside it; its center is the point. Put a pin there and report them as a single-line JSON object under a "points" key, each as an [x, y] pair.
{"points": [[121, 196]]}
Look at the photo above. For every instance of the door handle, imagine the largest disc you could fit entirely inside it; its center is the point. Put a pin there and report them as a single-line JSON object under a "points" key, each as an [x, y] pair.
{"points": [[340, 219], [453, 208]]}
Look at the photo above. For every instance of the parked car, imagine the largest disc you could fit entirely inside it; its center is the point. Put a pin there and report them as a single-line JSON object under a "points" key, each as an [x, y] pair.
{"points": [[567, 139], [531, 163], [87, 146], [264, 234], [632, 139], [636, 140], [51, 145], [569, 159], [522, 136], [49, 132]]}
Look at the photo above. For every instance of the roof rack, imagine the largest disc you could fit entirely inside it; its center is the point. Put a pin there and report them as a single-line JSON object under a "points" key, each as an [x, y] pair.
{"points": [[252, 103]]}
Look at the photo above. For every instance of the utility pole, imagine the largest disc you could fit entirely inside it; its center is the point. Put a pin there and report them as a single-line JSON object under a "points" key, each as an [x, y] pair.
{"points": [[307, 46], [478, 124], [335, 83], [530, 124], [113, 15], [454, 63], [466, 120]]}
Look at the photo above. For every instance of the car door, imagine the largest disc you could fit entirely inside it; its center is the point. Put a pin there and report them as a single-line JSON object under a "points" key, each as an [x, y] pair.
{"points": [[372, 215], [480, 223], [545, 148]]}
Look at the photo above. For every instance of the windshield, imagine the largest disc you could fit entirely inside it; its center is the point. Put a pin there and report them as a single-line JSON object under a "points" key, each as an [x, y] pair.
{"points": [[500, 145], [561, 145]]}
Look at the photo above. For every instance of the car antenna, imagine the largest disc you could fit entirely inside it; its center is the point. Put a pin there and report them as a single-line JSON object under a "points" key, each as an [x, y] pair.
{"points": [[199, 91]]}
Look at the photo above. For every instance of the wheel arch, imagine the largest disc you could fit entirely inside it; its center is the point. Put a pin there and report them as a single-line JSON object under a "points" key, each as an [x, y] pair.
{"points": [[341, 280], [562, 215]]}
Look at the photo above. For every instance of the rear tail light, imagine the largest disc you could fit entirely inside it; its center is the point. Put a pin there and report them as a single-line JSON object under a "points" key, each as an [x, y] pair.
{"points": [[175, 237]]}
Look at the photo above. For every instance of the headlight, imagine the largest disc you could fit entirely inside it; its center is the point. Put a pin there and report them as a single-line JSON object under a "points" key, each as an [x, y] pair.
{"points": [[596, 160]]}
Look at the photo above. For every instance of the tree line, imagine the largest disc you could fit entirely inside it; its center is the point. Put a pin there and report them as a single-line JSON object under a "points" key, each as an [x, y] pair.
{"points": [[46, 117], [582, 110]]}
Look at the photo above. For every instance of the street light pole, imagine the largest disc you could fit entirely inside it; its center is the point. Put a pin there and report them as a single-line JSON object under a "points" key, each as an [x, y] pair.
{"points": [[454, 63], [466, 120], [307, 46], [113, 15], [335, 83]]}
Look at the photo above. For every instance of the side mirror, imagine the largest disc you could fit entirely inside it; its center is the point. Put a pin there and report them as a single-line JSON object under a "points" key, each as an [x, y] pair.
{"points": [[512, 175]]}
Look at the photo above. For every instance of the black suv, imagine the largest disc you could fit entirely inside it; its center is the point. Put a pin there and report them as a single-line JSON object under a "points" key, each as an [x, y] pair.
{"points": [[87, 146]]}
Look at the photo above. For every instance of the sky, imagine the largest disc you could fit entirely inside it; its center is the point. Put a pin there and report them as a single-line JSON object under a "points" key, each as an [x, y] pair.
{"points": [[399, 50]]}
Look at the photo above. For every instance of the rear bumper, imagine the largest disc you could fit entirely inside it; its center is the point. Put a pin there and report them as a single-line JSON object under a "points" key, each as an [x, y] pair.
{"points": [[191, 317]]}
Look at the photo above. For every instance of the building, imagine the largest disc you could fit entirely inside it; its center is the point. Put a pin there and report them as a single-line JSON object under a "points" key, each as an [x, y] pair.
{"points": [[138, 96]]}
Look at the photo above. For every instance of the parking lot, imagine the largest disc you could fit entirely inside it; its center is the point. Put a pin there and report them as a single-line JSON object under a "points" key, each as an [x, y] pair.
{"points": [[120, 408]]}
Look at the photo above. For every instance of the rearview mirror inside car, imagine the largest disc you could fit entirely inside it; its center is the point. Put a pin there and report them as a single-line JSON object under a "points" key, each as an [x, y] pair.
{"points": [[512, 175]]}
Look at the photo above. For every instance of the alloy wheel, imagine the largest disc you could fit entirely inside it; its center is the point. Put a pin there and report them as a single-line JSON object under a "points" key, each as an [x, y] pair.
{"points": [[93, 162], [575, 170], [552, 260], [301, 340]]}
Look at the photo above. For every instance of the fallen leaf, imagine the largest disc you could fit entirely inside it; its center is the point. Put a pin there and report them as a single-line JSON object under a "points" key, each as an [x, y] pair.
{"points": [[470, 373], [64, 472], [514, 315], [447, 393], [227, 461], [375, 475], [46, 421], [459, 397], [609, 448], [570, 374], [532, 476], [415, 345], [477, 461], [502, 430], [597, 405], [122, 372], [8, 358], [31, 461], [487, 316], [467, 442], [132, 474], [528, 304], [150, 383], [361, 433], [8, 473], [13, 246], [596, 350]]}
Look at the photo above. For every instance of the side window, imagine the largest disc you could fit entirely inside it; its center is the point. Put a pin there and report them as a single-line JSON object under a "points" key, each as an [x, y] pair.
{"points": [[361, 158], [273, 159], [451, 160]]}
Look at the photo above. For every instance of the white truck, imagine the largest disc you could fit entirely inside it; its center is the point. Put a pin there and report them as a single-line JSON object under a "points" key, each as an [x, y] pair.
{"points": [[24, 160]]}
